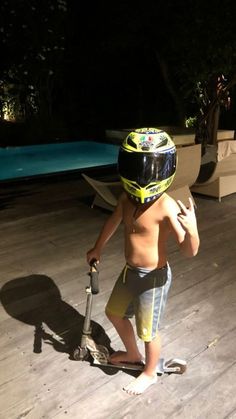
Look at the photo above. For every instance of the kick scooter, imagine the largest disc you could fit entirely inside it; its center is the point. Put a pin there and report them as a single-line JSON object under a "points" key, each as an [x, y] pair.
{"points": [[100, 353]]}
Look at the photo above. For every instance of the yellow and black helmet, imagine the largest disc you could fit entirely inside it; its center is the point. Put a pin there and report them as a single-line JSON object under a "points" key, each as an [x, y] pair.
{"points": [[147, 163]]}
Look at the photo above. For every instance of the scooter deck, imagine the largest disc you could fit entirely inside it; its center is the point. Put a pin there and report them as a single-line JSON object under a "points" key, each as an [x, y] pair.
{"points": [[130, 366], [176, 366]]}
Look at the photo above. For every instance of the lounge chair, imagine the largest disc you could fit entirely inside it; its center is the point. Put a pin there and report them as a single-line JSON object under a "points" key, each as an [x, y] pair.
{"points": [[107, 193], [188, 167], [222, 179]]}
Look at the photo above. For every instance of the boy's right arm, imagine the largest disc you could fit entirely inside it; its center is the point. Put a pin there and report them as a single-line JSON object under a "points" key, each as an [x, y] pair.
{"points": [[107, 232]]}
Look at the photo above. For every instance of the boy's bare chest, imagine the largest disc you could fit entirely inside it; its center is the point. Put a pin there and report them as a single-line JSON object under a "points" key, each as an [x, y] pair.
{"points": [[140, 219]]}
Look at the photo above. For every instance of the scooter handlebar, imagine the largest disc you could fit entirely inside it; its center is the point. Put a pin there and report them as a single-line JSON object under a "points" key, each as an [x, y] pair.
{"points": [[94, 277]]}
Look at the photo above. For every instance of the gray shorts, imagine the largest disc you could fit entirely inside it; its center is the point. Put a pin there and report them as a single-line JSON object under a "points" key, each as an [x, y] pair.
{"points": [[143, 293]]}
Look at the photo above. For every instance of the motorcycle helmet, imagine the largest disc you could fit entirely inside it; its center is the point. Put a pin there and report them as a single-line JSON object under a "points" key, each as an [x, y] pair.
{"points": [[147, 164]]}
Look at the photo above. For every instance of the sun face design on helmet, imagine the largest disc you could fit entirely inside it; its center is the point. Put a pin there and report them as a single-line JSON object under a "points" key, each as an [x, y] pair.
{"points": [[147, 164]]}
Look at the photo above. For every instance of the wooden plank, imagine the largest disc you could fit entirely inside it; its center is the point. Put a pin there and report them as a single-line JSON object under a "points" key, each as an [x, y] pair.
{"points": [[51, 239]]}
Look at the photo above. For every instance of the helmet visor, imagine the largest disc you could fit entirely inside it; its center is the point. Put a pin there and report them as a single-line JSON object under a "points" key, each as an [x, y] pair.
{"points": [[145, 168]]}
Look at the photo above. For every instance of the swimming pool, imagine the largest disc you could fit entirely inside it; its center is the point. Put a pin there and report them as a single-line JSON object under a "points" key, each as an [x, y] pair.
{"points": [[38, 160]]}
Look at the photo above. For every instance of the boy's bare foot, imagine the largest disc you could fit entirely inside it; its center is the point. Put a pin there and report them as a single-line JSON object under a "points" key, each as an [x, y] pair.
{"points": [[122, 356], [141, 384]]}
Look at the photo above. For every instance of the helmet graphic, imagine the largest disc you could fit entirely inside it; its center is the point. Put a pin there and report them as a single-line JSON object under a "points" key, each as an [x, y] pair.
{"points": [[147, 163]]}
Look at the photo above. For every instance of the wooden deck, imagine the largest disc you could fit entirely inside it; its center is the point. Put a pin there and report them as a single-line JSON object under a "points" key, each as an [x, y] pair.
{"points": [[45, 232]]}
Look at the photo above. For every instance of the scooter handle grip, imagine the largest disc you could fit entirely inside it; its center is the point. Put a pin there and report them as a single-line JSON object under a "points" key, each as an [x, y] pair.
{"points": [[93, 262], [94, 277]]}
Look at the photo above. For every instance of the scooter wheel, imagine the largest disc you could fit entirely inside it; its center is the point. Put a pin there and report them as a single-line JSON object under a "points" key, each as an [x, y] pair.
{"points": [[103, 350], [182, 369], [180, 366], [80, 354]]}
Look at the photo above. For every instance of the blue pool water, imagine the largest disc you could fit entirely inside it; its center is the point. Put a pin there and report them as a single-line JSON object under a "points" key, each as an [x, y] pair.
{"points": [[27, 161]]}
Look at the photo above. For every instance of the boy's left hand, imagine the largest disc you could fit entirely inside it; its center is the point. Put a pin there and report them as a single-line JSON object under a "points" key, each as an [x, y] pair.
{"points": [[187, 217]]}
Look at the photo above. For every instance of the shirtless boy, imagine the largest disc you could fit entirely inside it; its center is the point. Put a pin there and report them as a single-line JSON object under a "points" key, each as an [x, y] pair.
{"points": [[147, 164]]}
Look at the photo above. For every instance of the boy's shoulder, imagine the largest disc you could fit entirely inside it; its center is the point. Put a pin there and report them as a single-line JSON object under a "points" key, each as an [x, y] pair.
{"points": [[167, 199], [167, 203]]}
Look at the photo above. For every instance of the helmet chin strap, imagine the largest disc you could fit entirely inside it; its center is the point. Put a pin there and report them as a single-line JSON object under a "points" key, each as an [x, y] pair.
{"points": [[135, 212], [134, 222]]}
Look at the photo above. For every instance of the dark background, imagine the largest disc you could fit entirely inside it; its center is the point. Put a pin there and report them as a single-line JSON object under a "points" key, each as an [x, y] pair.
{"points": [[109, 63]]}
